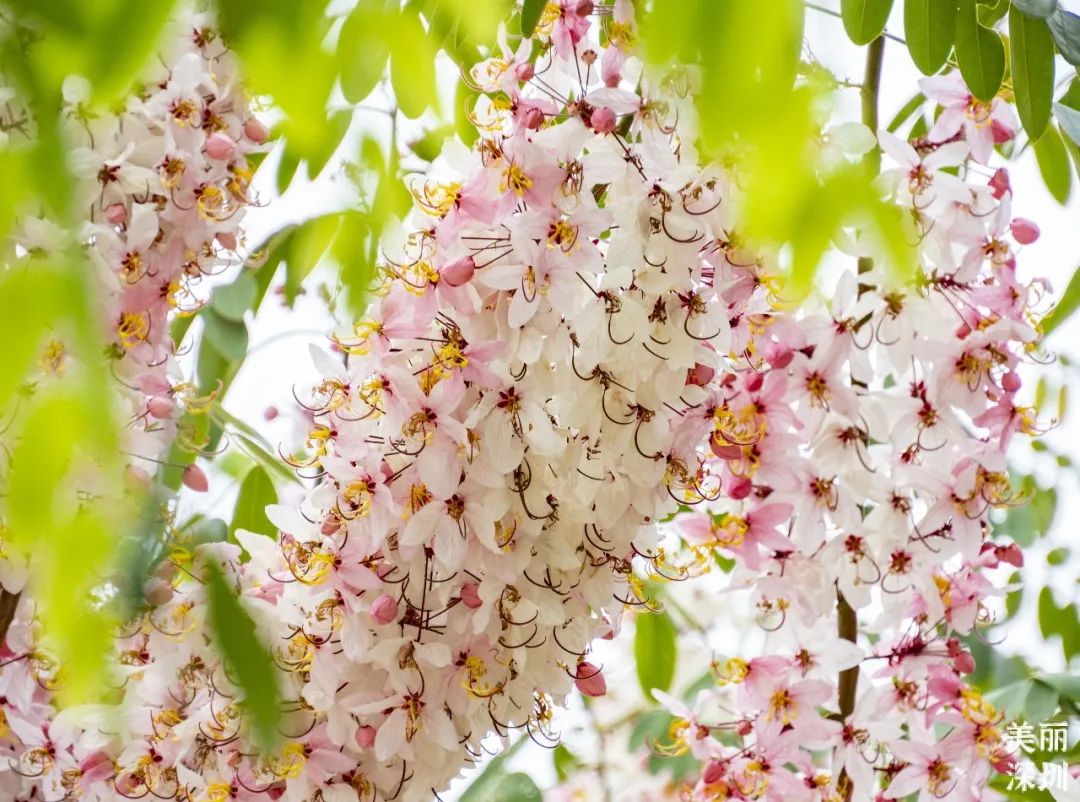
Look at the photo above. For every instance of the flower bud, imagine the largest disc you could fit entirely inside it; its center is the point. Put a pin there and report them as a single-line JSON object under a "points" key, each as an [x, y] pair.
{"points": [[738, 487], [256, 130], [589, 57], [469, 596], [603, 120], [194, 479], [116, 213], [700, 375], [1010, 382], [458, 272], [365, 737], [999, 183], [220, 146], [158, 592], [161, 407], [1024, 231], [384, 609], [584, 8], [226, 239], [589, 680], [714, 772], [270, 413], [524, 71], [533, 118]]}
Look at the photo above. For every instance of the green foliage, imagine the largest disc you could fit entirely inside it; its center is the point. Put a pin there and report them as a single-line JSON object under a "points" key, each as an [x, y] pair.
{"points": [[980, 52], [1061, 621], [930, 30], [516, 787], [655, 651], [1066, 305], [1053, 161], [864, 20], [1031, 49], [245, 656], [1065, 28], [565, 762], [1036, 8], [256, 494], [530, 15]]}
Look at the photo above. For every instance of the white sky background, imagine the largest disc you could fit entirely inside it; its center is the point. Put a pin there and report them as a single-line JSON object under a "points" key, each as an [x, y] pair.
{"points": [[278, 359]]}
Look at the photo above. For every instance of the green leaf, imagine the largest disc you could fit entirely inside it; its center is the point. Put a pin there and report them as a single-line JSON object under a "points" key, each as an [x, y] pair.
{"points": [[1032, 55], [864, 20], [1058, 556], [229, 338], [566, 762], [516, 787], [530, 15], [362, 52], [412, 65], [980, 53], [256, 494], [306, 248], [481, 788], [1041, 701], [654, 651], [1068, 303], [930, 29], [990, 12], [245, 656], [1036, 8], [1069, 120], [1065, 28], [1053, 162], [231, 301], [906, 111]]}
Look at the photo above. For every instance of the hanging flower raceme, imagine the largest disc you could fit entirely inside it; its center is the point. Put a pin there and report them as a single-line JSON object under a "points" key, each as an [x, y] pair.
{"points": [[868, 449]]}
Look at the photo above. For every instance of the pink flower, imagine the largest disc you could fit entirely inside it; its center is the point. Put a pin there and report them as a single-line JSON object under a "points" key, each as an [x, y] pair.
{"points": [[982, 124]]}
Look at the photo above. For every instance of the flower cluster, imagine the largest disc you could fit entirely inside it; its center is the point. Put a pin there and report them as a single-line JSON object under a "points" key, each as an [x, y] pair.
{"points": [[571, 341], [862, 449]]}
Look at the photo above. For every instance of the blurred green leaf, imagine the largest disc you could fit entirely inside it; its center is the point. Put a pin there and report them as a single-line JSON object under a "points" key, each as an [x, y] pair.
{"points": [[654, 651], [245, 655], [516, 787], [306, 248], [1057, 556], [256, 494], [864, 20], [930, 30], [530, 15], [906, 112], [361, 53], [565, 762], [1041, 702], [481, 788], [1036, 8], [412, 65], [1065, 28], [990, 12], [228, 337], [1053, 161], [1031, 49], [1068, 303], [232, 300], [980, 52]]}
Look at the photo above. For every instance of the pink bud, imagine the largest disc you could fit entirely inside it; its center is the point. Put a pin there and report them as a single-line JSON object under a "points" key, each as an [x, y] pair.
{"points": [[700, 375], [331, 523], [469, 596], [226, 239], [1013, 555], [161, 407], [1024, 231], [714, 772], [116, 213], [458, 272], [738, 487], [778, 356], [584, 8], [194, 479], [219, 146], [524, 71], [999, 183], [384, 609], [270, 413], [744, 728], [1010, 382], [256, 130], [533, 118], [603, 120], [589, 680], [1002, 133], [365, 737]]}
